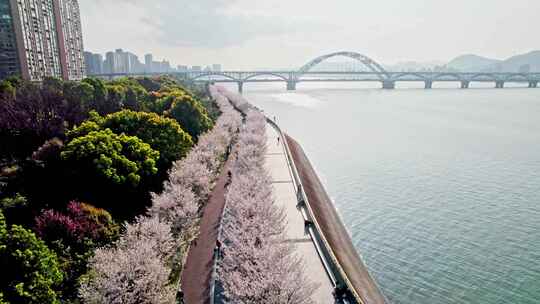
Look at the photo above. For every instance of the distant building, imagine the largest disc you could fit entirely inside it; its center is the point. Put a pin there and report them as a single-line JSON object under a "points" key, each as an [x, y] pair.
{"points": [[40, 38], [216, 67], [165, 67], [182, 68], [148, 61], [109, 66], [94, 63], [196, 68]]}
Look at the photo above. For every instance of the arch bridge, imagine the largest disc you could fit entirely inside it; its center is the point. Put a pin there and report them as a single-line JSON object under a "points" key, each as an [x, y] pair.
{"points": [[375, 72]]}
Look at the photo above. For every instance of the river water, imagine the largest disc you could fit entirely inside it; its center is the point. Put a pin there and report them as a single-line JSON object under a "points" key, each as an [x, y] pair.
{"points": [[440, 189]]}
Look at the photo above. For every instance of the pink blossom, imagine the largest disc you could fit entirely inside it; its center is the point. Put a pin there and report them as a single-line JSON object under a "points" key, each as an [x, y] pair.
{"points": [[258, 265]]}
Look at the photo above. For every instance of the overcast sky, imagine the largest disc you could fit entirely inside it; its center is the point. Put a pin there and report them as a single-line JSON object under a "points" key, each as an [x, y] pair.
{"points": [[288, 33]]}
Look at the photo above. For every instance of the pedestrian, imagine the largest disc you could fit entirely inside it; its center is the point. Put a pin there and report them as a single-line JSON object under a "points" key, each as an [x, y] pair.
{"points": [[278, 140]]}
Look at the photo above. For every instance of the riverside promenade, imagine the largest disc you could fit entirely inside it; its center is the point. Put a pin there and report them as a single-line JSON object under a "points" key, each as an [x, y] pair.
{"points": [[285, 197]]}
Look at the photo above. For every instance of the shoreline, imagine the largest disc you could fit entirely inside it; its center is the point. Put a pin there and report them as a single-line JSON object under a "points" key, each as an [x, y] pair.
{"points": [[337, 252]]}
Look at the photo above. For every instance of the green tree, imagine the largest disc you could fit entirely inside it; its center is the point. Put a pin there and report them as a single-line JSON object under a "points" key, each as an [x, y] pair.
{"points": [[79, 97], [135, 94], [188, 111], [99, 101], [30, 271], [116, 96], [162, 134], [120, 159]]}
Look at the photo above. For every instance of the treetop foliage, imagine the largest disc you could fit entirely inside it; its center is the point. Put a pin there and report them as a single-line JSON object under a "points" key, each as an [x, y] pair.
{"points": [[121, 159]]}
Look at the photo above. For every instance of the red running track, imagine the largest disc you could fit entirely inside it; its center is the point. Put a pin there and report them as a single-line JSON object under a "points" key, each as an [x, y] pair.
{"points": [[197, 272]]}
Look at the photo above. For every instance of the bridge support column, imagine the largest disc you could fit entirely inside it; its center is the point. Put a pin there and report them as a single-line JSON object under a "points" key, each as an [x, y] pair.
{"points": [[465, 84], [533, 84], [499, 84], [240, 87], [428, 84], [291, 85], [388, 84]]}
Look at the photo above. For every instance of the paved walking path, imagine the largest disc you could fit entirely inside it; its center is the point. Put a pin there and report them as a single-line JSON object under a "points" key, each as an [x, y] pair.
{"points": [[198, 269], [285, 196]]}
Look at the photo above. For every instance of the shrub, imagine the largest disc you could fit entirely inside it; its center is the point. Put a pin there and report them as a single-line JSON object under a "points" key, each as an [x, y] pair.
{"points": [[82, 222], [30, 271]]}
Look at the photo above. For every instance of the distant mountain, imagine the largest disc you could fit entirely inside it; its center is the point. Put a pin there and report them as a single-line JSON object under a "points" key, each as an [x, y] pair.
{"points": [[529, 62], [472, 63]]}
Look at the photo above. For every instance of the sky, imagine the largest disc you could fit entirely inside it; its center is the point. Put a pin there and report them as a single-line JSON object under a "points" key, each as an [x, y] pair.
{"points": [[244, 34]]}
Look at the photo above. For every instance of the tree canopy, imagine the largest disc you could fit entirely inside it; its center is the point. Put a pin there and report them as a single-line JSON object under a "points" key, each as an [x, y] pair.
{"points": [[120, 159], [162, 134]]}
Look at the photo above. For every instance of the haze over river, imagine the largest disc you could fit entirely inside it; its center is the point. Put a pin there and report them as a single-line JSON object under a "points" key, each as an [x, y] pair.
{"points": [[440, 189]]}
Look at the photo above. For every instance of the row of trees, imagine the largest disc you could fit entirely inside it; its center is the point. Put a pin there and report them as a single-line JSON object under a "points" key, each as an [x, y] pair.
{"points": [[258, 264], [144, 265], [76, 159]]}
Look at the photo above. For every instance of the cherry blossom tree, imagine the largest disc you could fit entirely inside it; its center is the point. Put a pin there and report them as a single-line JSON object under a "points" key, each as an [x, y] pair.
{"points": [[258, 264]]}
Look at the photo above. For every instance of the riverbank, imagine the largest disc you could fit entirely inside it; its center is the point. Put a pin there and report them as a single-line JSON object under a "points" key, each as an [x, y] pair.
{"points": [[335, 237], [348, 274], [284, 191]]}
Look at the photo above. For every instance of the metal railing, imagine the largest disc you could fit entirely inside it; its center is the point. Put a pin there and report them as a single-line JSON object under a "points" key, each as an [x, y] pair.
{"points": [[333, 269]]}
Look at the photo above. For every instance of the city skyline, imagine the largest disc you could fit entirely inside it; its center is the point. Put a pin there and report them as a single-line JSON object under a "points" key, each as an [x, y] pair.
{"points": [[121, 61], [241, 34]]}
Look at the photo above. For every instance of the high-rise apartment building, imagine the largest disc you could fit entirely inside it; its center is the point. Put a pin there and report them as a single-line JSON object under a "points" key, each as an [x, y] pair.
{"points": [[148, 61], [41, 38], [94, 63], [70, 38], [110, 65], [9, 59]]}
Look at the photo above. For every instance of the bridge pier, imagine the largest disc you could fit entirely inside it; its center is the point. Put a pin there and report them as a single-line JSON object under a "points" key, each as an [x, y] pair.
{"points": [[240, 87], [533, 84], [499, 84], [428, 84], [291, 85], [388, 84], [465, 84]]}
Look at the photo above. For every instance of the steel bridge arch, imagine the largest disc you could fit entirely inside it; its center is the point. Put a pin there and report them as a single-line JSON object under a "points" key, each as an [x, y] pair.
{"points": [[206, 74], [266, 73], [368, 62]]}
